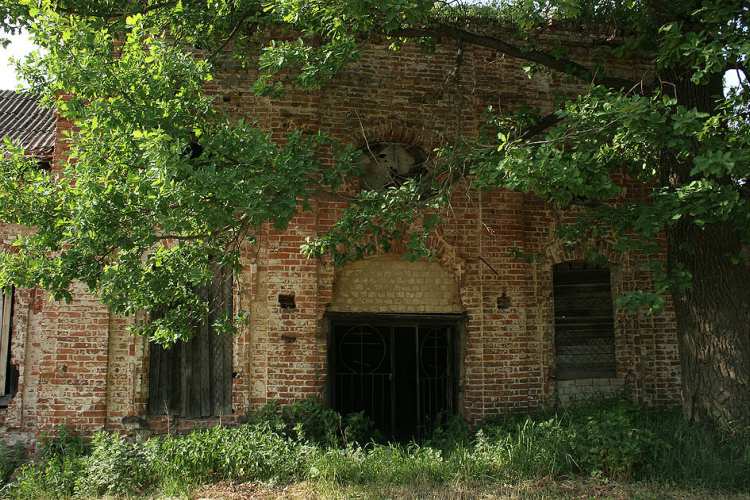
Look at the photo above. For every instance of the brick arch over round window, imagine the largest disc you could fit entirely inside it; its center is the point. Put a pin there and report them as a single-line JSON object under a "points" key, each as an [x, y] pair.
{"points": [[391, 284], [584, 321], [397, 132]]}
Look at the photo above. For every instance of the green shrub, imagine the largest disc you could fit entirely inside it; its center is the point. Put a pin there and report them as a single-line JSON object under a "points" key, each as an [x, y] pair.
{"points": [[360, 429], [55, 478], [255, 453], [452, 433], [10, 459], [610, 442], [54, 471], [695, 455], [475, 463], [529, 448], [617, 440], [115, 467], [269, 414], [279, 445], [312, 420], [64, 442], [385, 464], [250, 452], [309, 419]]}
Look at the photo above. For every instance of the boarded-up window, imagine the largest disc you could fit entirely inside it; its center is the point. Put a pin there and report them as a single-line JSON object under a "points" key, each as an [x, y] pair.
{"points": [[194, 378], [584, 321], [8, 373]]}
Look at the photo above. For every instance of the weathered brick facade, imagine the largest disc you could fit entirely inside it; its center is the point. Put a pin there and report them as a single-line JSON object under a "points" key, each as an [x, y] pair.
{"points": [[79, 366]]}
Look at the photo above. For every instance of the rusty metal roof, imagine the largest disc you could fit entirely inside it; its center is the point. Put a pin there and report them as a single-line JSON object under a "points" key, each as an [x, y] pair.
{"points": [[26, 123]]}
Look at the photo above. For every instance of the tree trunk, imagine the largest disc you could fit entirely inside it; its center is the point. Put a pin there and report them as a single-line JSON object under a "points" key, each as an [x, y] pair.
{"points": [[713, 321], [713, 314]]}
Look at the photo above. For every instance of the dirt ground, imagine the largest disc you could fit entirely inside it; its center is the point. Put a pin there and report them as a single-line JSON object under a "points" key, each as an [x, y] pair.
{"points": [[574, 489]]}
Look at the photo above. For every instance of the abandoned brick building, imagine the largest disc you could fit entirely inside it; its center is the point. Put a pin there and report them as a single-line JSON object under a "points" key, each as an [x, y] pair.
{"points": [[478, 331]]}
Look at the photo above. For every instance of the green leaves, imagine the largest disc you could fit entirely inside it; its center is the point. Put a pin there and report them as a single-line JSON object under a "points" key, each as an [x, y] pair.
{"points": [[377, 221], [308, 67], [132, 214], [160, 183], [708, 40]]}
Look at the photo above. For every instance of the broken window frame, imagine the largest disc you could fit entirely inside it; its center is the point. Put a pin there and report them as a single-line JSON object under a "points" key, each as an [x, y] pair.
{"points": [[6, 331], [584, 343]]}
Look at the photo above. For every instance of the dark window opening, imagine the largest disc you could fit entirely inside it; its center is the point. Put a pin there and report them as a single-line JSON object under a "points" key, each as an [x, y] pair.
{"points": [[390, 165], [286, 301], [584, 321], [8, 372], [400, 372], [194, 378]]}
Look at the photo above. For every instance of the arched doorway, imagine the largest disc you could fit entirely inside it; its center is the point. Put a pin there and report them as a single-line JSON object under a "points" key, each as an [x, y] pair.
{"points": [[394, 344]]}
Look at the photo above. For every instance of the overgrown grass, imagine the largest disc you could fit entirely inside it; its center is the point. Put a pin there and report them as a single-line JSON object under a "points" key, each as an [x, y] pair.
{"points": [[55, 470], [10, 458], [613, 441]]}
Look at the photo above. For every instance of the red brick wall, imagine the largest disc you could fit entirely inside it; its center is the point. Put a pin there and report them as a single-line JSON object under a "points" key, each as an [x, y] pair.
{"points": [[81, 367]]}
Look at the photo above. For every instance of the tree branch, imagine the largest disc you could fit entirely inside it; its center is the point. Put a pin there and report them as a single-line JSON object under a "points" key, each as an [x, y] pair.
{"points": [[232, 34], [115, 13], [545, 122], [561, 65]]}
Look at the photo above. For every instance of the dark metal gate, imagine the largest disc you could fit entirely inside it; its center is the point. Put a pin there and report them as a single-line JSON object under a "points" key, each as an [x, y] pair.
{"points": [[401, 371]]}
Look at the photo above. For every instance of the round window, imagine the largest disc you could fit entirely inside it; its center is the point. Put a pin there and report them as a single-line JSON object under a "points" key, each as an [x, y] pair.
{"points": [[390, 164]]}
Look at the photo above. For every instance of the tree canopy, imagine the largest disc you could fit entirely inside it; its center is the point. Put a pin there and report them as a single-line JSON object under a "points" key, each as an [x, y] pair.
{"points": [[159, 184]]}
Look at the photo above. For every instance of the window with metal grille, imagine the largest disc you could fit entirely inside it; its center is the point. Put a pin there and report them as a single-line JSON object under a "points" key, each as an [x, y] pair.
{"points": [[8, 373], [194, 378], [584, 321], [400, 370]]}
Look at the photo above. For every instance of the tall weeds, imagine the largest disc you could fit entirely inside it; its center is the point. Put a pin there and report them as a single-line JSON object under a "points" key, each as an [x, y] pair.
{"points": [[615, 440]]}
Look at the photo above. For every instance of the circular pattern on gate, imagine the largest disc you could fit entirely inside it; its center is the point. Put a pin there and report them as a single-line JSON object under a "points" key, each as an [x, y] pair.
{"points": [[362, 349]]}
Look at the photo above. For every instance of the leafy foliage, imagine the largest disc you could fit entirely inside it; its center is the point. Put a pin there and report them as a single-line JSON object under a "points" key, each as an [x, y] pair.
{"points": [[159, 183], [55, 470], [115, 467], [611, 441], [311, 420], [10, 458], [247, 453]]}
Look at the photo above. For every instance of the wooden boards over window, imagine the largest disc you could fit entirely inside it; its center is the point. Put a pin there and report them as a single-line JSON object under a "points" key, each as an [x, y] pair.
{"points": [[584, 321], [194, 378]]}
